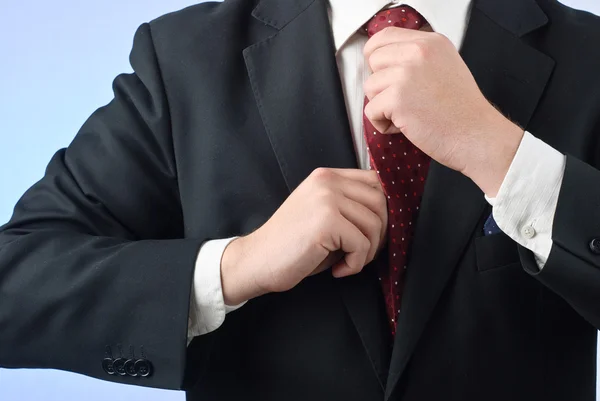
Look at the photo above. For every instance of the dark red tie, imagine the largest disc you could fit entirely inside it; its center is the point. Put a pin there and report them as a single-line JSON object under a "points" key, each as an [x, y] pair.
{"points": [[402, 169]]}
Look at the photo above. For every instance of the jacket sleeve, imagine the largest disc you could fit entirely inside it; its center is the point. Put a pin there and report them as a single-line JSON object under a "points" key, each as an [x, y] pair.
{"points": [[573, 267], [92, 264]]}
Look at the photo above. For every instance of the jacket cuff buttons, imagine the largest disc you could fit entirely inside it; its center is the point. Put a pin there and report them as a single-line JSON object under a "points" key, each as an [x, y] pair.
{"points": [[107, 365], [127, 367], [143, 367]]}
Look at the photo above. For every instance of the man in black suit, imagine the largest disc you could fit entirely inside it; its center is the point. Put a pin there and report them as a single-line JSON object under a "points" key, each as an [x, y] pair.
{"points": [[234, 125]]}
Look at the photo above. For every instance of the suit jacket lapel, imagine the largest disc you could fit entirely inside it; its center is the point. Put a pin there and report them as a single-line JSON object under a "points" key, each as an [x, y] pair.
{"points": [[297, 88], [512, 76]]}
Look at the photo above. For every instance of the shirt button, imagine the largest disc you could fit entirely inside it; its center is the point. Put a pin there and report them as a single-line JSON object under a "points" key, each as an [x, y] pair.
{"points": [[595, 246], [528, 232]]}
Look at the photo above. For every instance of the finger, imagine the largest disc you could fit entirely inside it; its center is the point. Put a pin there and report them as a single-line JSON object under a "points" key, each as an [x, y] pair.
{"points": [[368, 177], [379, 111], [394, 54], [391, 35], [366, 190], [367, 221], [381, 80], [330, 260], [356, 246], [373, 199]]}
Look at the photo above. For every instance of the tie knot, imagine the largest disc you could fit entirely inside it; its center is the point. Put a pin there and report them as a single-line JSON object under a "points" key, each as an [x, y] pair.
{"points": [[402, 17]]}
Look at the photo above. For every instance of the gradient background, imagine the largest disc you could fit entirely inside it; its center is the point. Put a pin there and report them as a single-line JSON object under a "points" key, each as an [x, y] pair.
{"points": [[59, 60]]}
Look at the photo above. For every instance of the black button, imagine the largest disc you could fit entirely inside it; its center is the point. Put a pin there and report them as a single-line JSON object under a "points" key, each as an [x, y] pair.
{"points": [[595, 246], [119, 366], [143, 367], [107, 365], [130, 368]]}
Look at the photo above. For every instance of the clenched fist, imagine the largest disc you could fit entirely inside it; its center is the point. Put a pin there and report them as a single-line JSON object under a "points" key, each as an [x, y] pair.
{"points": [[421, 87], [336, 218]]}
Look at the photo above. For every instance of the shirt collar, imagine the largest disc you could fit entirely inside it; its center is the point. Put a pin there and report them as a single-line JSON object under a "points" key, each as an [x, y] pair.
{"points": [[448, 17]]}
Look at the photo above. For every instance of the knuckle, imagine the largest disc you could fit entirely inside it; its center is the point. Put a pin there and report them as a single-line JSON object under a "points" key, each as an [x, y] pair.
{"points": [[322, 195], [375, 59], [421, 49], [355, 267], [396, 92], [374, 180], [329, 209], [323, 230], [372, 174], [321, 235], [324, 209], [322, 173], [374, 226], [440, 38], [387, 31], [372, 255], [365, 246]]}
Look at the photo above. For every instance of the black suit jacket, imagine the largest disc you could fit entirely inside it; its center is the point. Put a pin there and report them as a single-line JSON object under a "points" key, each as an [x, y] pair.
{"points": [[230, 107]]}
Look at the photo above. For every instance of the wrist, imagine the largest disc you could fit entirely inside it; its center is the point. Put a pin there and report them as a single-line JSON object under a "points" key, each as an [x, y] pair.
{"points": [[492, 155], [237, 282]]}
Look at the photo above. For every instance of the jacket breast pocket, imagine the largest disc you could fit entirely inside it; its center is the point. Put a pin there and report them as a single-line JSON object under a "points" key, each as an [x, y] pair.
{"points": [[495, 251]]}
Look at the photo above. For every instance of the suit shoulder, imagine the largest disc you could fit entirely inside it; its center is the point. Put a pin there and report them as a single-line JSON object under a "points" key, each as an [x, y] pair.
{"points": [[571, 21], [571, 38], [208, 17]]}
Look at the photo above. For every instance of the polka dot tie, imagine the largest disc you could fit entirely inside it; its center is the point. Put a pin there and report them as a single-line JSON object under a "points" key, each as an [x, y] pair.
{"points": [[402, 169]]}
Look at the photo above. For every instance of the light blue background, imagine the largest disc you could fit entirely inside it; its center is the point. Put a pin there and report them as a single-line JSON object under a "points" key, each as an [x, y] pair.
{"points": [[58, 60]]}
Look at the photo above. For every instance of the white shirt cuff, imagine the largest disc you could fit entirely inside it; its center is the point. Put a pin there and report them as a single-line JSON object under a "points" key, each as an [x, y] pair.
{"points": [[526, 202], [207, 307]]}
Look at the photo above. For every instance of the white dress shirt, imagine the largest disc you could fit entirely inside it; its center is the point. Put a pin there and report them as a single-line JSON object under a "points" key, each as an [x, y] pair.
{"points": [[523, 208]]}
